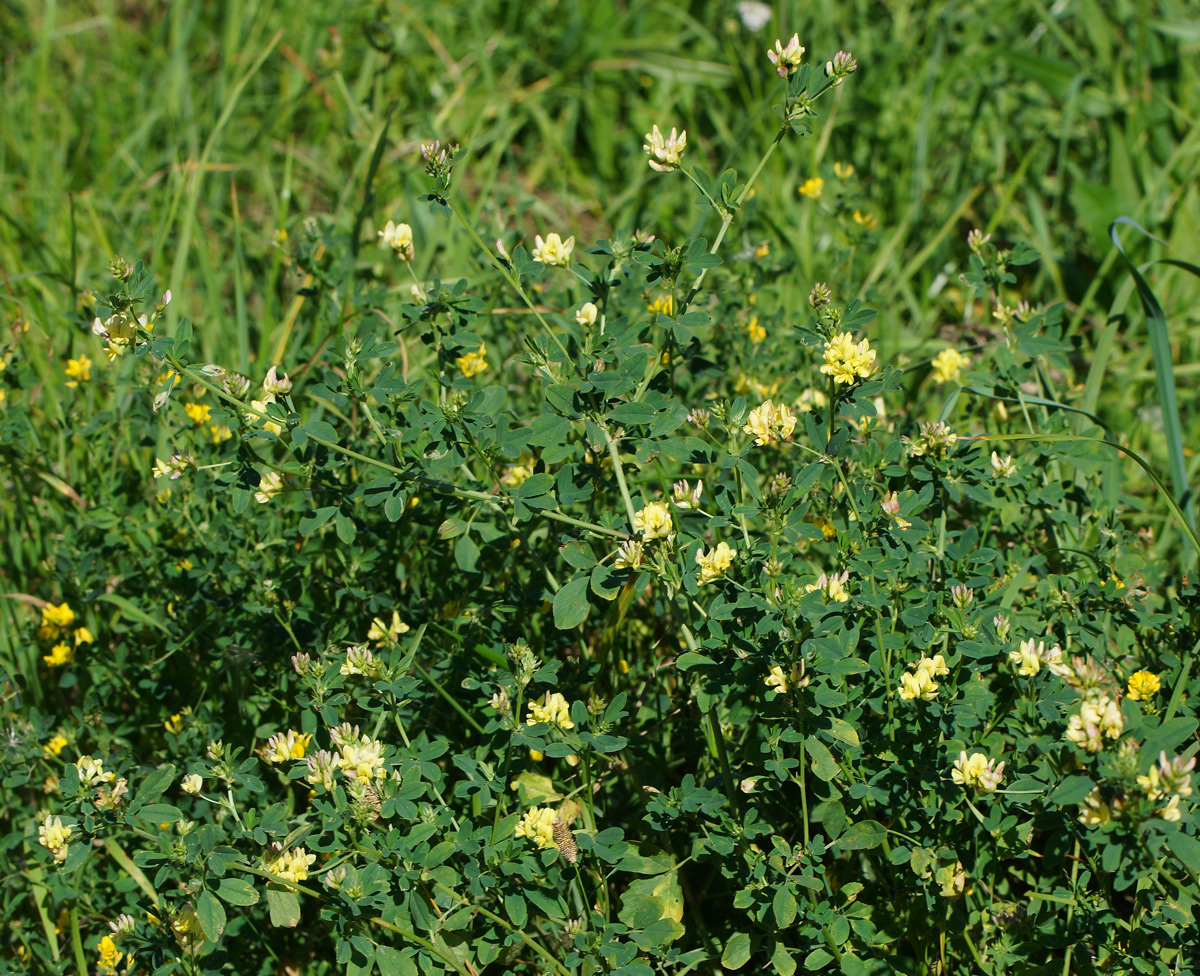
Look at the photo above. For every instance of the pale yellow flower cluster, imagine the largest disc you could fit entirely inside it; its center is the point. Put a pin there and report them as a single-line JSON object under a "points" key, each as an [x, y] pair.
{"points": [[387, 633], [846, 361], [665, 153], [787, 58], [110, 955], [1171, 778], [399, 238], [832, 585], [813, 188], [770, 422], [949, 364], [362, 760], [553, 251], [537, 824], [285, 746], [1097, 720], [270, 484], [291, 865], [1004, 467], [715, 564], [78, 371], [654, 522], [920, 683], [192, 784], [586, 315], [1030, 658], [361, 660], [553, 710], [119, 330], [55, 837], [777, 680], [977, 771]]}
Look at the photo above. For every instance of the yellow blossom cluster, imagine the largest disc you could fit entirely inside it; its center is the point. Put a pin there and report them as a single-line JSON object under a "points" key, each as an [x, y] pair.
{"points": [[362, 760], [977, 771], [291, 865], [665, 152], [387, 633], [1097, 720], [537, 824], [55, 837], [949, 364], [832, 585], [654, 522], [1143, 685], [553, 710], [285, 746], [770, 422], [399, 237], [473, 363], [56, 623], [920, 683], [847, 361], [110, 955], [715, 563], [553, 251], [78, 371]]}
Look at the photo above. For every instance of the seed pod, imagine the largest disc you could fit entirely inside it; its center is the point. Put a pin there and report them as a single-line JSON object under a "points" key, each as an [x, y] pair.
{"points": [[564, 839]]}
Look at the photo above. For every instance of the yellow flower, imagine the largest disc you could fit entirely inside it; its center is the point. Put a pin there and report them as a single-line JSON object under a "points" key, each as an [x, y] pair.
{"points": [[810, 400], [387, 633], [291, 865], [553, 251], [60, 654], [83, 636], [1026, 659], [654, 521], [174, 724], [3, 398], [192, 783], [92, 772], [845, 361], [552, 710], [363, 760], [833, 586], [843, 171], [978, 771], [54, 746], [587, 314], [270, 485], [1094, 811], [197, 412], [663, 304], [715, 564], [756, 332], [1095, 722], [399, 238], [760, 252], [219, 433], [258, 415], [786, 58], [53, 836], [1143, 685], [79, 370], [949, 364], [110, 956], [520, 472], [777, 680], [538, 825], [473, 362], [769, 423], [60, 617], [866, 221], [812, 188], [284, 746], [666, 152]]}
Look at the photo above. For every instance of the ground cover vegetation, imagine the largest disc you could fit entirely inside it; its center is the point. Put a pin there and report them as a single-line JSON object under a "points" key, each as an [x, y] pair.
{"points": [[601, 487]]}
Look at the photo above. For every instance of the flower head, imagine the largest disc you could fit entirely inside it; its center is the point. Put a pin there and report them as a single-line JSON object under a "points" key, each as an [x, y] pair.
{"points": [[786, 58], [777, 680], [654, 522], [198, 413], [387, 633], [1027, 659], [770, 422], [361, 660], [537, 824], [60, 655], [1002, 467], [291, 865], [110, 955], [846, 361], [684, 496], [935, 440], [362, 761], [715, 564], [587, 314], [977, 771], [949, 364], [842, 64], [399, 238], [833, 586], [78, 371], [192, 784], [553, 251], [1143, 685], [552, 710], [813, 188], [284, 746], [53, 836], [270, 485], [756, 332], [276, 385], [1094, 811], [665, 153], [474, 362]]}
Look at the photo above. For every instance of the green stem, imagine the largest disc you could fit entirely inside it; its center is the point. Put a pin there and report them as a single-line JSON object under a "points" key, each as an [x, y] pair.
{"points": [[619, 471]]}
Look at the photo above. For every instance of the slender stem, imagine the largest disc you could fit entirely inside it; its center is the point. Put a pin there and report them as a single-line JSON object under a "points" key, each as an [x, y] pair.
{"points": [[620, 473]]}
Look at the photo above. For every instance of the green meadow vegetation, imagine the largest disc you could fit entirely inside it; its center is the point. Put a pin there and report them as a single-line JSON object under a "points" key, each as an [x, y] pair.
{"points": [[605, 487]]}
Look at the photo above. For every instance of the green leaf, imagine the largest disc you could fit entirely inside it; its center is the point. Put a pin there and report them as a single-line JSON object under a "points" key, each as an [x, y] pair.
{"points": [[737, 951], [318, 428], [843, 731], [862, 836], [571, 604], [1071, 790], [1186, 848], [392, 962], [284, 907], [237, 891], [784, 907], [211, 915], [783, 960], [157, 813], [823, 764], [153, 786]]}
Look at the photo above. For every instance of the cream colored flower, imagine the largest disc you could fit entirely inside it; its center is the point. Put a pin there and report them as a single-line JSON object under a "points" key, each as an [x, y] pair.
{"points": [[553, 710], [387, 633], [654, 522], [291, 865], [587, 314], [1026, 659], [777, 680], [845, 361], [833, 586], [715, 564], [1094, 811], [399, 238], [977, 771], [787, 58], [270, 486], [193, 783], [362, 761], [1002, 467], [538, 825], [770, 422], [285, 746], [92, 772], [553, 251], [54, 836], [276, 385], [665, 154]]}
